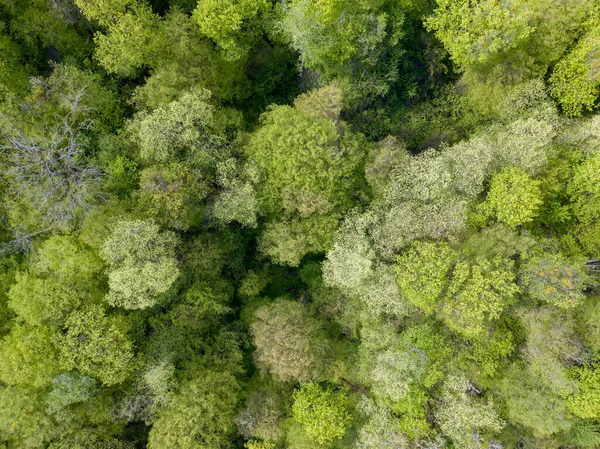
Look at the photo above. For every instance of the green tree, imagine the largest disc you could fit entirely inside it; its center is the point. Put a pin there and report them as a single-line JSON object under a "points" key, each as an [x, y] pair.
{"points": [[310, 186], [575, 80], [105, 12], [23, 419], [69, 389], [141, 261], [529, 405], [478, 294], [131, 41], [29, 357], [584, 190], [585, 403], [62, 275], [94, 344], [233, 24], [499, 43], [513, 198], [359, 42], [323, 413], [423, 272], [44, 301], [200, 415]]}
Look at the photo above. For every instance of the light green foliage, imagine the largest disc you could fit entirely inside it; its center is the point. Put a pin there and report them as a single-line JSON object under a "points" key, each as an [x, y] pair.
{"points": [[585, 403], [422, 273], [583, 433], [350, 260], [142, 263], [318, 176], [153, 389], [29, 357], [497, 240], [255, 444], [286, 242], [232, 24], [382, 428], [68, 389], [463, 416], [397, 366], [253, 283], [555, 279], [63, 257], [172, 193], [94, 344], [587, 316], [299, 224], [184, 60], [105, 12], [513, 198], [23, 420], [499, 43], [352, 267], [575, 80], [475, 31], [551, 343], [131, 41], [428, 195], [185, 129], [288, 342], [63, 274], [535, 408], [311, 185], [323, 413], [584, 190], [200, 415], [478, 294], [38, 301], [345, 39], [394, 370], [237, 200], [490, 350]]}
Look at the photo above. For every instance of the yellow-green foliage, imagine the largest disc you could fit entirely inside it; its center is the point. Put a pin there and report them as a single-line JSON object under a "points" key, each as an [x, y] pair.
{"points": [[423, 272], [323, 413], [477, 294], [513, 198], [584, 191], [585, 403], [232, 24], [93, 344], [29, 357], [201, 410], [575, 81], [105, 12]]}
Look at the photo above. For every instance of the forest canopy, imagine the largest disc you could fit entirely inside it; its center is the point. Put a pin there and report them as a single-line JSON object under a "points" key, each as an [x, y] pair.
{"points": [[299, 224]]}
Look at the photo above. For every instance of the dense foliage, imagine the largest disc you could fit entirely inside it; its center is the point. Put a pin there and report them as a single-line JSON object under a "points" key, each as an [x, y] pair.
{"points": [[299, 224]]}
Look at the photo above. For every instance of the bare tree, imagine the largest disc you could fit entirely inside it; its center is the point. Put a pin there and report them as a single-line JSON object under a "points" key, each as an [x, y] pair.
{"points": [[46, 173]]}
